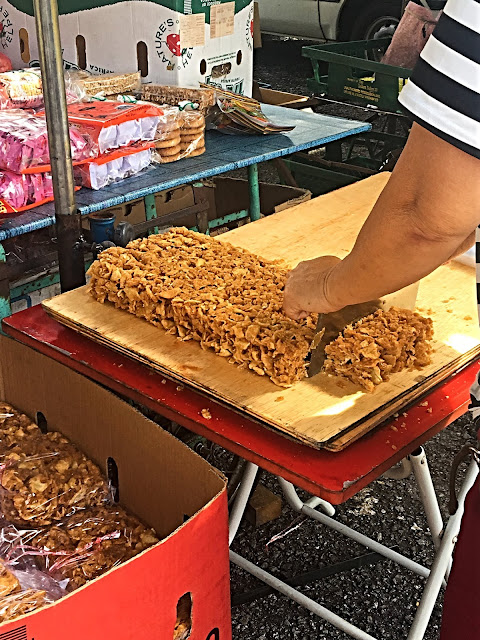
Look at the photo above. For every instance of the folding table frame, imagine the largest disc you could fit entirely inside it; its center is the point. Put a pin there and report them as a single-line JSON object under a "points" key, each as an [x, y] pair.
{"points": [[332, 478], [444, 539]]}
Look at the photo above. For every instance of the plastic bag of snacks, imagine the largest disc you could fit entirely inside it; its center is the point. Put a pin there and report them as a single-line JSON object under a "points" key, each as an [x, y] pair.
{"points": [[109, 84], [169, 95], [24, 142], [24, 89], [26, 589], [22, 191], [19, 604], [85, 545], [192, 133], [180, 134], [113, 167], [45, 478], [111, 125], [15, 427], [21, 90]]}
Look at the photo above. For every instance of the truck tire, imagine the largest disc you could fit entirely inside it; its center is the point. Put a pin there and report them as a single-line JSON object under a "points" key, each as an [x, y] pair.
{"points": [[371, 18]]}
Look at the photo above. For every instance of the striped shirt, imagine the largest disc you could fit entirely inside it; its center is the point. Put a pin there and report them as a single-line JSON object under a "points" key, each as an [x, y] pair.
{"points": [[443, 95]]}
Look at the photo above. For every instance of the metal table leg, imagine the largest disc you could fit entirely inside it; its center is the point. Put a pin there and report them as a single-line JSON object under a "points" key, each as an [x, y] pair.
{"points": [[444, 544], [241, 499], [427, 495], [254, 188], [442, 561]]}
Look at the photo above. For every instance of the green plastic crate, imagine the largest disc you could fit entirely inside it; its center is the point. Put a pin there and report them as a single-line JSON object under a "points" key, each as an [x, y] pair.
{"points": [[354, 75], [316, 179]]}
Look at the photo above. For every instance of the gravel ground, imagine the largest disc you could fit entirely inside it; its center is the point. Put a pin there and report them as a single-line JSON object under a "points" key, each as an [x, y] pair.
{"points": [[380, 599]]}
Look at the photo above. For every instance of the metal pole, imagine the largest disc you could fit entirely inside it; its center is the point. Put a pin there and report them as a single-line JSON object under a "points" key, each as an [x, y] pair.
{"points": [[241, 499], [68, 220], [298, 597], [427, 495], [254, 188]]}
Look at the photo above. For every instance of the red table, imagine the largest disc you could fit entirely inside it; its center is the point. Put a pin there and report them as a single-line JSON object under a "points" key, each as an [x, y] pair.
{"points": [[332, 476]]}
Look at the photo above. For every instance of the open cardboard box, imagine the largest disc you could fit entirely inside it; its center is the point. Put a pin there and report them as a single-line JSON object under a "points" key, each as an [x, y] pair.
{"points": [[161, 481], [282, 98], [225, 196]]}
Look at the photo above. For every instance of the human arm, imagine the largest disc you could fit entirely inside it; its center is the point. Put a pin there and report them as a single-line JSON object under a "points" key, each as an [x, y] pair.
{"points": [[428, 209], [465, 246]]}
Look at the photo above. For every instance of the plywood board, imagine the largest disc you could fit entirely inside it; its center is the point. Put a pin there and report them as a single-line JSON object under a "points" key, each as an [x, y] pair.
{"points": [[316, 411]]}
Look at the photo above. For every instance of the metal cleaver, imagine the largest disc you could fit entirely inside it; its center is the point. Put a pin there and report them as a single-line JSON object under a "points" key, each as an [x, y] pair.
{"points": [[330, 325]]}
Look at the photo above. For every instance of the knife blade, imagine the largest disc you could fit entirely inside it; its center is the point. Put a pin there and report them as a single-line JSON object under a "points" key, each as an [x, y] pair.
{"points": [[331, 325]]}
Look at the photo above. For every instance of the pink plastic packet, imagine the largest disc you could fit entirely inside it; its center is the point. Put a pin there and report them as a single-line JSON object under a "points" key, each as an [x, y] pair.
{"points": [[24, 142], [21, 191]]}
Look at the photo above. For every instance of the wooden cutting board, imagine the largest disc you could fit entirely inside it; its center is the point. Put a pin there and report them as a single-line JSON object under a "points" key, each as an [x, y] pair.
{"points": [[322, 411]]}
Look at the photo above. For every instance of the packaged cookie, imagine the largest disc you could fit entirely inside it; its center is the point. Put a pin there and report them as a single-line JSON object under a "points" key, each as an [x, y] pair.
{"points": [[181, 134], [113, 167], [164, 94], [46, 478], [169, 124], [192, 133], [89, 543]]}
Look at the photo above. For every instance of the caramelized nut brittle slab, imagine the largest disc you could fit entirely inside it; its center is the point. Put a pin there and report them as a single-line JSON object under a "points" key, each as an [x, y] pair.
{"points": [[198, 288]]}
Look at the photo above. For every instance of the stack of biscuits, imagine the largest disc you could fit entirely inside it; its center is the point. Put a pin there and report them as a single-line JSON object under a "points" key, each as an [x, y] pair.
{"points": [[168, 143], [180, 134], [192, 134]]}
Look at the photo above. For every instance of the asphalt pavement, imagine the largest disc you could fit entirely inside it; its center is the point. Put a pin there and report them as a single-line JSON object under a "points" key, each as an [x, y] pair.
{"points": [[381, 599]]}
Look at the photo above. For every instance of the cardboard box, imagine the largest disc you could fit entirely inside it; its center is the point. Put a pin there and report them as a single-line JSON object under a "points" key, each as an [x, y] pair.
{"points": [[174, 42], [227, 196], [174, 200], [161, 481], [283, 98]]}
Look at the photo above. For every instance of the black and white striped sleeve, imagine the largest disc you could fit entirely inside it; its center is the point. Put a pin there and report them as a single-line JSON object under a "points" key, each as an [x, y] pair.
{"points": [[443, 94]]}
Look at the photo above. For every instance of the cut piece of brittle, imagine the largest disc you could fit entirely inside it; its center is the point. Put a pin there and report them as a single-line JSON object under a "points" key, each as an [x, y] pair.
{"points": [[385, 342]]}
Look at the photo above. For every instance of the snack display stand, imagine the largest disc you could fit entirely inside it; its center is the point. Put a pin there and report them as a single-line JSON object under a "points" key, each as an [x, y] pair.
{"points": [[332, 477]]}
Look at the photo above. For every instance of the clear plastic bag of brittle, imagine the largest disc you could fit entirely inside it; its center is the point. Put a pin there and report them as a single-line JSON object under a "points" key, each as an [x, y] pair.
{"points": [[26, 589], [181, 134], [46, 478], [15, 427], [83, 546], [19, 604]]}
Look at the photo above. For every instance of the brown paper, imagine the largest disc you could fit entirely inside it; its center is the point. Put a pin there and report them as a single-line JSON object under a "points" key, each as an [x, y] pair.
{"points": [[192, 31], [222, 20]]}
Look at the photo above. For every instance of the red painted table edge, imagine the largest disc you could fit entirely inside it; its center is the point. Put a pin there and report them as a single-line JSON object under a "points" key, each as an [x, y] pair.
{"points": [[335, 477]]}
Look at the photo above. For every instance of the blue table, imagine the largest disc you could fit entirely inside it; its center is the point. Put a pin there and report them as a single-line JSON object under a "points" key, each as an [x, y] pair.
{"points": [[224, 153]]}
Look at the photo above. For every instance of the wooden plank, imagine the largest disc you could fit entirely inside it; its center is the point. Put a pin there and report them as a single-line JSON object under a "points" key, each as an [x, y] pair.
{"points": [[315, 411]]}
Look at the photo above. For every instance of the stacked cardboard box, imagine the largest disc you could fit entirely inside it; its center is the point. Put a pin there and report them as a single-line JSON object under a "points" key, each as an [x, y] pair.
{"points": [[177, 42]]}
